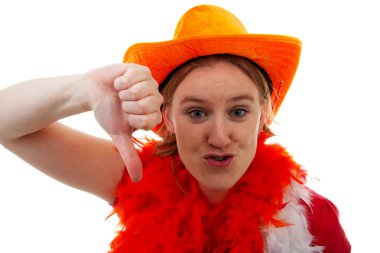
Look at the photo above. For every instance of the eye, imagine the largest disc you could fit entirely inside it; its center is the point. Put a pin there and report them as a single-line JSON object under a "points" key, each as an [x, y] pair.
{"points": [[238, 112], [197, 114]]}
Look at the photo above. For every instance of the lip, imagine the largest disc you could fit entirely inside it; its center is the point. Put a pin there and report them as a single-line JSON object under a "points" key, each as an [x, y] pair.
{"points": [[211, 159]]}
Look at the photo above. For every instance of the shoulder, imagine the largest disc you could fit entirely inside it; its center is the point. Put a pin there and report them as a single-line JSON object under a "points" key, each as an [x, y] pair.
{"points": [[324, 225]]}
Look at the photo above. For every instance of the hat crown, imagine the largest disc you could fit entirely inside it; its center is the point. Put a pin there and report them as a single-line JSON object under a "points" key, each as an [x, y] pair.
{"points": [[208, 20]]}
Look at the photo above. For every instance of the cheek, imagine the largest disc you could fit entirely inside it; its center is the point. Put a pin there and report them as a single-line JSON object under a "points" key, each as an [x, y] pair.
{"points": [[249, 145], [187, 135], [248, 132], [247, 152], [189, 145], [246, 138]]}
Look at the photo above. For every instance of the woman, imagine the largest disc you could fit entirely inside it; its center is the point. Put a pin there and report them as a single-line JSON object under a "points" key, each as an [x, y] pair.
{"points": [[212, 184]]}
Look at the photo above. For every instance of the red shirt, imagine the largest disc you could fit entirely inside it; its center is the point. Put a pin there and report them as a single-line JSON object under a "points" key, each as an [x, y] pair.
{"points": [[323, 217]]}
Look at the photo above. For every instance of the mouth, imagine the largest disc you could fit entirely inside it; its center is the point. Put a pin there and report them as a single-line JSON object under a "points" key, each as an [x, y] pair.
{"points": [[218, 160]]}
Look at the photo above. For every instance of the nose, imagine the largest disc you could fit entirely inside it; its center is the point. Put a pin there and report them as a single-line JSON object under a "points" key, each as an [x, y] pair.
{"points": [[219, 133]]}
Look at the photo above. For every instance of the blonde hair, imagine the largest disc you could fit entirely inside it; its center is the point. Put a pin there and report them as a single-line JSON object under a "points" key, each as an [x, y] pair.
{"points": [[168, 145]]}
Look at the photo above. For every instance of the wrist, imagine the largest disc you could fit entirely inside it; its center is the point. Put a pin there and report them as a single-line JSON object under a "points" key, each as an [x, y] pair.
{"points": [[81, 93], [73, 99]]}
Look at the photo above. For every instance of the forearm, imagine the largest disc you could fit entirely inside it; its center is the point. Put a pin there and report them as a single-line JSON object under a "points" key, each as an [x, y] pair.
{"points": [[30, 106]]}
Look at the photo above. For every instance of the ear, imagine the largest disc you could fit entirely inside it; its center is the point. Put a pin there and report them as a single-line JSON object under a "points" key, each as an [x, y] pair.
{"points": [[167, 119]]}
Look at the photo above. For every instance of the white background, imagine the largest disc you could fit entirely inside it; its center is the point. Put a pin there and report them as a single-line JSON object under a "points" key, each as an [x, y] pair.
{"points": [[329, 120]]}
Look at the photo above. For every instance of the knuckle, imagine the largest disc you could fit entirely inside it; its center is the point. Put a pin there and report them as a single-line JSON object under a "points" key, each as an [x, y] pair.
{"points": [[155, 83], [131, 71], [136, 68], [126, 79], [158, 118], [145, 123], [145, 69], [139, 122], [132, 65], [145, 73], [133, 94], [161, 98], [134, 107], [122, 95], [141, 107], [125, 106], [148, 122], [158, 100], [117, 84]]}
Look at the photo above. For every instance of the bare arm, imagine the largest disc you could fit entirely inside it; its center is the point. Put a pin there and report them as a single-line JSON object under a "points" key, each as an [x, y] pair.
{"points": [[30, 106], [28, 128]]}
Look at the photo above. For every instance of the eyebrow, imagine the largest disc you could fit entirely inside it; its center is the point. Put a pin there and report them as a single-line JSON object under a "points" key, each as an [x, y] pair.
{"points": [[200, 100]]}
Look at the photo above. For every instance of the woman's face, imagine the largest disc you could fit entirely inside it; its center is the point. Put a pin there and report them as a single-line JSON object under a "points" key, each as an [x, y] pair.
{"points": [[216, 117]]}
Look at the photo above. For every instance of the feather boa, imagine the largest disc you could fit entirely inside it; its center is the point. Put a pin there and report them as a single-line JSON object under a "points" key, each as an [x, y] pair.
{"points": [[167, 212]]}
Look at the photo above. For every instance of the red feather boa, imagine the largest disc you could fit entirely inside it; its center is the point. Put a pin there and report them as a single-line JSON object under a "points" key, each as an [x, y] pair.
{"points": [[167, 212]]}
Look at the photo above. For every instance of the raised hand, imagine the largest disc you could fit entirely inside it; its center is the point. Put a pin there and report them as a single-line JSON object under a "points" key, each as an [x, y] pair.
{"points": [[125, 97]]}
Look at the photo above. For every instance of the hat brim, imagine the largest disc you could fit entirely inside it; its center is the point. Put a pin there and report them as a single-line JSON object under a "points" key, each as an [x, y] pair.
{"points": [[278, 55]]}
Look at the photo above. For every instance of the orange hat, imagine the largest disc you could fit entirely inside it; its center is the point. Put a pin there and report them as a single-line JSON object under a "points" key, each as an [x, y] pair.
{"points": [[206, 30]]}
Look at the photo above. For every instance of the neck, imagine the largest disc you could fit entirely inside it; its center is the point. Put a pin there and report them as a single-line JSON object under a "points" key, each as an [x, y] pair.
{"points": [[214, 196]]}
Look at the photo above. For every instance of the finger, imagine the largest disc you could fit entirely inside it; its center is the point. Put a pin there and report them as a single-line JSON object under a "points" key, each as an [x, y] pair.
{"points": [[144, 106], [115, 70], [139, 91], [134, 74], [146, 122], [128, 153]]}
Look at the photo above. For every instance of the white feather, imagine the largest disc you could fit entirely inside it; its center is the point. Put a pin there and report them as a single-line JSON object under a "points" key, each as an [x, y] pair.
{"points": [[295, 238]]}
